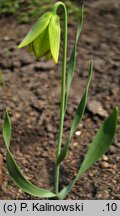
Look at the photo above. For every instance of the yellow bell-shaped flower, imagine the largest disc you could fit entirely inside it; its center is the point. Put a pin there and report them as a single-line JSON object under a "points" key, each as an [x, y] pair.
{"points": [[44, 38]]}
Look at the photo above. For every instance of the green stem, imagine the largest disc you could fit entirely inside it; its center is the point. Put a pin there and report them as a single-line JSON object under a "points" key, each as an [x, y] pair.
{"points": [[63, 86]]}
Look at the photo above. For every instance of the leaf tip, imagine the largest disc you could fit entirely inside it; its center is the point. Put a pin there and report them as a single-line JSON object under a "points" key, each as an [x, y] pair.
{"points": [[91, 62], [82, 8], [115, 113], [20, 46]]}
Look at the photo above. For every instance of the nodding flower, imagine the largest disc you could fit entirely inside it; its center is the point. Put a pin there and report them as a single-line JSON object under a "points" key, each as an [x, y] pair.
{"points": [[44, 37]]}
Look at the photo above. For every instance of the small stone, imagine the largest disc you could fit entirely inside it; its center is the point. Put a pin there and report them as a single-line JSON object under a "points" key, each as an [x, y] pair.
{"points": [[104, 165], [50, 136], [77, 133], [49, 128], [17, 115], [75, 144], [29, 126], [90, 174], [25, 161], [105, 158], [44, 154], [80, 125], [114, 166], [96, 108], [6, 38], [112, 149]]}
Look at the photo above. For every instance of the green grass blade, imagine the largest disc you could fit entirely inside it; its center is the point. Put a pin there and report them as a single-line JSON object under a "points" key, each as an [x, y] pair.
{"points": [[98, 147], [72, 61], [7, 129], [101, 142], [81, 108], [13, 169], [63, 152], [78, 116]]}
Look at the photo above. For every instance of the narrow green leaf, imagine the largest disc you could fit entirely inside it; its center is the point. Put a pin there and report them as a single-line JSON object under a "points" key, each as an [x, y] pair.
{"points": [[72, 61], [100, 144], [65, 191], [36, 30], [7, 129], [101, 141], [81, 108], [63, 152], [78, 116], [13, 169]]}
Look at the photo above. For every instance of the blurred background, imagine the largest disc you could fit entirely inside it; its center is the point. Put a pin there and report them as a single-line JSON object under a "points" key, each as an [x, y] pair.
{"points": [[25, 10]]}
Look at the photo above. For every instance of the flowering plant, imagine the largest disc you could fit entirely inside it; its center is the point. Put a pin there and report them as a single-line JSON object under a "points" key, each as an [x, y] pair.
{"points": [[44, 40]]}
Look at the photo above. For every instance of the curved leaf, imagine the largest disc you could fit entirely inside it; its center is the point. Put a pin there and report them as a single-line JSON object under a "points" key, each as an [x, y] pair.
{"points": [[13, 169], [37, 29], [97, 148], [81, 108], [78, 116], [101, 142]]}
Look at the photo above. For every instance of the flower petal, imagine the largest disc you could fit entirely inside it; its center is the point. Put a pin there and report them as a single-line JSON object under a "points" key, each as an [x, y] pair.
{"points": [[41, 44], [48, 56], [54, 37], [30, 47], [36, 30]]}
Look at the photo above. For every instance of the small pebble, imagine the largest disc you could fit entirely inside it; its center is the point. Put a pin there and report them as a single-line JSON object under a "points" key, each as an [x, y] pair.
{"points": [[49, 128], [6, 38], [112, 149], [104, 165], [17, 115], [96, 108], [114, 166], [80, 125], [105, 158], [29, 126], [75, 144], [90, 174], [77, 133]]}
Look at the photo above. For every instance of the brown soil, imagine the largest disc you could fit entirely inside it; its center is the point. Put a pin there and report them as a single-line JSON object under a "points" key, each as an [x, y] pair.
{"points": [[32, 95]]}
